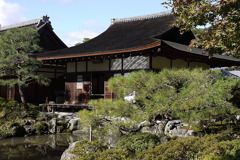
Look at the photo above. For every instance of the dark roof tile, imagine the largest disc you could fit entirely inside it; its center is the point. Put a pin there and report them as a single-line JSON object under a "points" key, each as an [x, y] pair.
{"points": [[123, 34]]}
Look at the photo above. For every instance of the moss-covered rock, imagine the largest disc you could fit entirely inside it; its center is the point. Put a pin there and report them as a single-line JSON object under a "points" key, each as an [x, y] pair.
{"points": [[40, 127]]}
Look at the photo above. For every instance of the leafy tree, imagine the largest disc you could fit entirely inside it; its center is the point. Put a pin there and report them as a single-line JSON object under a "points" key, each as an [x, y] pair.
{"points": [[221, 17], [191, 95], [16, 67], [84, 40]]}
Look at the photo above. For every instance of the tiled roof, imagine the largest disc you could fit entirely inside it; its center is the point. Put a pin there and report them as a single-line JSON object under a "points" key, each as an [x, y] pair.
{"points": [[34, 23], [137, 33], [215, 61], [139, 18]]}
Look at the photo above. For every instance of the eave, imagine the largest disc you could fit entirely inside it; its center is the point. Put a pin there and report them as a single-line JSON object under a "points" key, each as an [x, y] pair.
{"points": [[141, 48]]}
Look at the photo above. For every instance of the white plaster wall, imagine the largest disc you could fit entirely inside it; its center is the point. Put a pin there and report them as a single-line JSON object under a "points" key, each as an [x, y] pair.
{"points": [[136, 62], [116, 64]]}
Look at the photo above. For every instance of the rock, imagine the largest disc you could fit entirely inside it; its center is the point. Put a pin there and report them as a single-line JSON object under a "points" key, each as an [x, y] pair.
{"points": [[74, 124], [171, 125], [52, 125], [29, 122], [67, 155], [238, 117], [28, 129], [144, 123], [150, 129], [65, 115], [173, 129]]}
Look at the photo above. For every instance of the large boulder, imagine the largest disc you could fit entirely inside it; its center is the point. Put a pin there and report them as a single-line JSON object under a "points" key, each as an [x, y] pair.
{"points": [[174, 129], [147, 127], [52, 128], [74, 124], [67, 154]]}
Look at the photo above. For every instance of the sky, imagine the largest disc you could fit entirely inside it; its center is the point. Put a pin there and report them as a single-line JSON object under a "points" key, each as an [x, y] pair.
{"points": [[74, 20]]}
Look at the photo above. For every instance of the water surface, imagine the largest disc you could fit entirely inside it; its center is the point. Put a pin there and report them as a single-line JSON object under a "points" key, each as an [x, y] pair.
{"points": [[41, 147]]}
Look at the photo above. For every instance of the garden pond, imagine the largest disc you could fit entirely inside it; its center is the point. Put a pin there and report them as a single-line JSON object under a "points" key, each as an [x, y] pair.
{"points": [[40, 147]]}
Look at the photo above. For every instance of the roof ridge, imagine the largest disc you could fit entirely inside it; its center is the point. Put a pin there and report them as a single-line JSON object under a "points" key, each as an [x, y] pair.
{"points": [[139, 18], [37, 22]]}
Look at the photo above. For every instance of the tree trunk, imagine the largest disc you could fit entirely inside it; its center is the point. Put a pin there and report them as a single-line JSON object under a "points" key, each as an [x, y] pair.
{"points": [[22, 96]]}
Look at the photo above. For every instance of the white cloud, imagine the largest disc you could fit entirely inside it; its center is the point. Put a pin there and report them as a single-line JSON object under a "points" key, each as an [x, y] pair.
{"points": [[79, 35], [75, 37], [10, 13], [89, 29]]}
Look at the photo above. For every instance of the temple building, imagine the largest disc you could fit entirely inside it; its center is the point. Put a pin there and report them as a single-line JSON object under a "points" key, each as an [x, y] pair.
{"points": [[49, 41], [81, 72], [129, 44]]}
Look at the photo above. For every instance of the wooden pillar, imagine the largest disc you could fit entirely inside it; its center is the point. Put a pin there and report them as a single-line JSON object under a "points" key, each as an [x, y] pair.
{"points": [[122, 66], [109, 65], [150, 62]]}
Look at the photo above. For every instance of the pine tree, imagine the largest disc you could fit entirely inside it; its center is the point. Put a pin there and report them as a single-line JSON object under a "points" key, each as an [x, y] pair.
{"points": [[16, 67]]}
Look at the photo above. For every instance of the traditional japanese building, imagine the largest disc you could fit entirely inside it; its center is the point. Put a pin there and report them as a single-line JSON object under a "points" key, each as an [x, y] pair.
{"points": [[145, 42], [49, 41]]}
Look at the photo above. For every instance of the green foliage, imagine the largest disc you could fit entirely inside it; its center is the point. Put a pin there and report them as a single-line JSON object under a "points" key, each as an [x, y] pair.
{"points": [[192, 95], [15, 64], [12, 116], [84, 40], [62, 126], [85, 150], [138, 142], [221, 17], [10, 110], [40, 127], [207, 147], [236, 94], [116, 154], [11, 128]]}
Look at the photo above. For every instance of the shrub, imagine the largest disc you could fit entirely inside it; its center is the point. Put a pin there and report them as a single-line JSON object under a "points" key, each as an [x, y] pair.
{"points": [[94, 150], [138, 142], [40, 127], [207, 147]]}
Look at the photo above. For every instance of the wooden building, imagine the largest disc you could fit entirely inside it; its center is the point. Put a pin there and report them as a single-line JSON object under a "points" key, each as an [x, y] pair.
{"points": [[129, 44], [49, 41]]}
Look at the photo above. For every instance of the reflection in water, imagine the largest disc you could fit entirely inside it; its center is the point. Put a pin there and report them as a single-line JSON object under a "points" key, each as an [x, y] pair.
{"points": [[42, 147]]}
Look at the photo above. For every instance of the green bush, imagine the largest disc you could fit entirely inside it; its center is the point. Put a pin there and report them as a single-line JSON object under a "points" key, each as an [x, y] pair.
{"points": [[116, 154], [94, 150], [209, 147], [194, 96], [138, 142], [11, 128], [11, 109], [40, 127]]}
